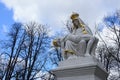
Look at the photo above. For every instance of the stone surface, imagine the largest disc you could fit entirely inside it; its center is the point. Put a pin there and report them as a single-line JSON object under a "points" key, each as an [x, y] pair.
{"points": [[81, 68]]}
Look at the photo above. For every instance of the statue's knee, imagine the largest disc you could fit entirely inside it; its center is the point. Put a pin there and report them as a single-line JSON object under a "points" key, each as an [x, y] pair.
{"points": [[93, 38], [96, 39], [82, 41], [68, 42]]}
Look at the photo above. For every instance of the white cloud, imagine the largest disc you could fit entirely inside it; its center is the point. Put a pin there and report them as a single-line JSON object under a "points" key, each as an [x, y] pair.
{"points": [[108, 36], [4, 29], [54, 12]]}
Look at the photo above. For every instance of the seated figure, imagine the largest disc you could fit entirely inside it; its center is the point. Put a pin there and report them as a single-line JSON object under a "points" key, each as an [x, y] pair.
{"points": [[80, 42]]}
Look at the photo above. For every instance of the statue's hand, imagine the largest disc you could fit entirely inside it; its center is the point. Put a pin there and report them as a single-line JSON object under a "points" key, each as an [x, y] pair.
{"points": [[65, 38], [55, 43]]}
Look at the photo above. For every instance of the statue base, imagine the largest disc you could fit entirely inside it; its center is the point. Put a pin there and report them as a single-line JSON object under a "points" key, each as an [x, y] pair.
{"points": [[80, 68]]}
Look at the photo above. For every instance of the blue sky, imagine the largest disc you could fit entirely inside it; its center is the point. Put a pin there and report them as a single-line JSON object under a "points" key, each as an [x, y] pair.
{"points": [[54, 13], [5, 20]]}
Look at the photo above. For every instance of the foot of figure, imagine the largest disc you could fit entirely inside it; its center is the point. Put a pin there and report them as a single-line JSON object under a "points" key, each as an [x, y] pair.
{"points": [[72, 57], [87, 54]]}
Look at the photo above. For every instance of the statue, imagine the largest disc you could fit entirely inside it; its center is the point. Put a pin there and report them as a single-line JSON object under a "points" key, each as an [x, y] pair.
{"points": [[80, 42]]}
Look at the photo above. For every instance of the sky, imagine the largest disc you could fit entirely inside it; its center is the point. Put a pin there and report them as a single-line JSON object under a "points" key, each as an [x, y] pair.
{"points": [[6, 20], [53, 13]]}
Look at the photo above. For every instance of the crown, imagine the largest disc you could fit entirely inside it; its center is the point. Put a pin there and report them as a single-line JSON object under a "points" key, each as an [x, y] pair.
{"points": [[74, 16]]}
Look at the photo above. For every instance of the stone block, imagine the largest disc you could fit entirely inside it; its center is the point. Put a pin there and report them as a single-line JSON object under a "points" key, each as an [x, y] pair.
{"points": [[80, 68]]}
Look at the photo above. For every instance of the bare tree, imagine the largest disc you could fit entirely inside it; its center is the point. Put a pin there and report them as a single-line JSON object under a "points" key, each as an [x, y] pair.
{"points": [[110, 54], [24, 49]]}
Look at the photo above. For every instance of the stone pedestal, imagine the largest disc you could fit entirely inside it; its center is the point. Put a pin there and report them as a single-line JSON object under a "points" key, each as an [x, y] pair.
{"points": [[80, 68]]}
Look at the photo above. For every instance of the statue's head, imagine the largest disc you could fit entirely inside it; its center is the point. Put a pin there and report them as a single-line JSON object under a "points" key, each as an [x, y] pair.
{"points": [[74, 16], [75, 19]]}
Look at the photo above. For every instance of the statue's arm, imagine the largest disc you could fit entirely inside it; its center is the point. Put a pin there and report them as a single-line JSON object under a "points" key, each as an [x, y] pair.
{"points": [[73, 38]]}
